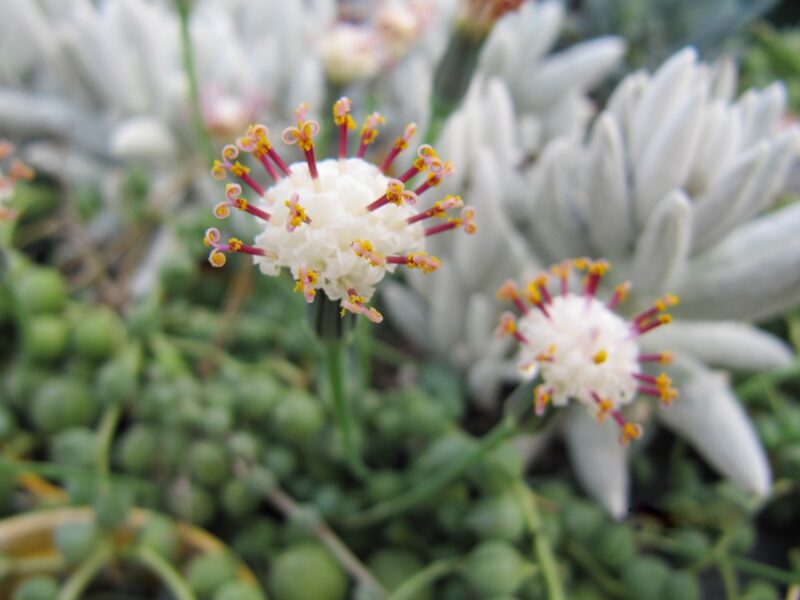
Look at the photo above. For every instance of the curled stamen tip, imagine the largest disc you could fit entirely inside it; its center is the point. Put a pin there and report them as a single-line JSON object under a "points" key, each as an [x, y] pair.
{"points": [[222, 210], [468, 217], [217, 258], [211, 237], [424, 261]]}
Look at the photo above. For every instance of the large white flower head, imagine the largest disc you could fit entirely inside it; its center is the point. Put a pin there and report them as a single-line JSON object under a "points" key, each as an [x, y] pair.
{"points": [[12, 170], [341, 224], [581, 348]]}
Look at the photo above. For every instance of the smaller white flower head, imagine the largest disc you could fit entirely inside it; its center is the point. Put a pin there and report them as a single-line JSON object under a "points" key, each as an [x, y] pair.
{"points": [[588, 349], [581, 349]]}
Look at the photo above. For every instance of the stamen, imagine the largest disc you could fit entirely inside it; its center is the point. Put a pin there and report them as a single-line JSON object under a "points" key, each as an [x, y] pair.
{"points": [[256, 141], [217, 257], [233, 191], [417, 260], [642, 328], [509, 291], [604, 406], [306, 283], [596, 270], [533, 294], [619, 295], [396, 193], [466, 221], [437, 210], [659, 305], [369, 132], [297, 214], [427, 159], [435, 179], [400, 144], [302, 135], [562, 271], [355, 304], [541, 398], [229, 154], [548, 355], [508, 327], [365, 249], [342, 118], [662, 357]]}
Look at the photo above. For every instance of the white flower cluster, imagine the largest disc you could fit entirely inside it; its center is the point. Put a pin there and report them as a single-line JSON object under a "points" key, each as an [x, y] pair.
{"points": [[337, 217]]}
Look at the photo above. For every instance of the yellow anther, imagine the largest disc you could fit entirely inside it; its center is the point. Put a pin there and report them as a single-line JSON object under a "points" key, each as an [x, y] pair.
{"points": [[600, 357], [666, 358], [423, 261], [622, 290], [235, 244], [507, 326], [240, 203], [663, 381], [630, 431], [341, 113], [668, 395], [238, 169], [562, 270], [603, 408], [365, 249], [541, 280], [664, 319], [468, 220], [369, 131], [581, 263], [599, 267], [508, 290], [532, 293]]}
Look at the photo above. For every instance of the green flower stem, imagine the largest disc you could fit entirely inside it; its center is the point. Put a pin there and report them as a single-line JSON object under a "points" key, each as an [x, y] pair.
{"points": [[171, 578], [604, 581], [45, 469], [105, 434], [728, 576], [349, 561], [753, 567], [541, 544], [191, 76], [754, 386], [81, 578], [504, 430], [334, 361], [424, 578]]}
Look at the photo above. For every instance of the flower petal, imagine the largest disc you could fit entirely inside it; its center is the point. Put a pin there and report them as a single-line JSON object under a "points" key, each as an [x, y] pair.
{"points": [[728, 344], [709, 416], [663, 247], [600, 462]]}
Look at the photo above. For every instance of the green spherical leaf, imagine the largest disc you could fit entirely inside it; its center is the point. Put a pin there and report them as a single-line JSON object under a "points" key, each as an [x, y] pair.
{"points": [[76, 540], [42, 291], [209, 462], [99, 334], [615, 546], [138, 449], [307, 571], [75, 447], [393, 567], [38, 587], [497, 517], [237, 590], [495, 568], [644, 577], [681, 586], [47, 339], [208, 572]]}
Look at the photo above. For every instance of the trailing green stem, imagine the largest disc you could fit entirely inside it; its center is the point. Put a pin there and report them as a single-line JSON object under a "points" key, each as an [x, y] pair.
{"points": [[81, 578], [541, 543], [105, 434], [175, 583], [334, 361], [505, 429], [424, 578], [191, 76]]}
